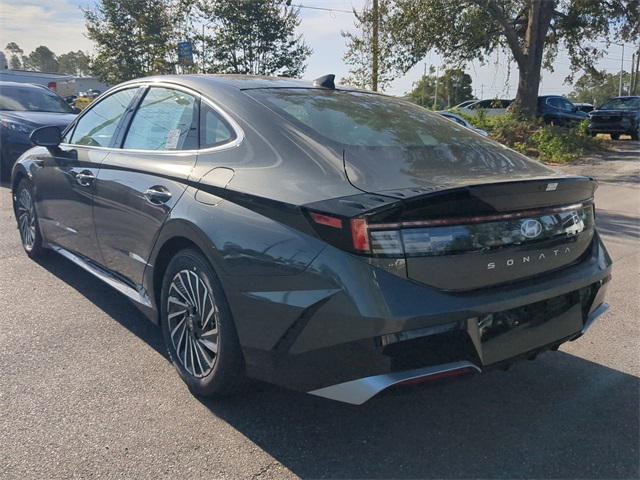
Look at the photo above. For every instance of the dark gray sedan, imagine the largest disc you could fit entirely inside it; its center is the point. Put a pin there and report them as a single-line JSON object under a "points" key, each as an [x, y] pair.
{"points": [[326, 239]]}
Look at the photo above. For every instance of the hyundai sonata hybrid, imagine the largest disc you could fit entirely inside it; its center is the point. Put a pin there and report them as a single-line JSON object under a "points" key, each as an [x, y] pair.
{"points": [[331, 240]]}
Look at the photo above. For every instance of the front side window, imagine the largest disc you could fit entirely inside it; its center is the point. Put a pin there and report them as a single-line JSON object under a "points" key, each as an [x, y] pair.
{"points": [[165, 120], [213, 129], [98, 125]]}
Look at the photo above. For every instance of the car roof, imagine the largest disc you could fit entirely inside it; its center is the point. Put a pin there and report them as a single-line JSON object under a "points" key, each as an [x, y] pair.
{"points": [[4, 83], [241, 82]]}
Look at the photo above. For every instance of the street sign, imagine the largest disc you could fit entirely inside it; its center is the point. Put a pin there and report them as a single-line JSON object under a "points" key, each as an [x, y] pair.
{"points": [[185, 53]]}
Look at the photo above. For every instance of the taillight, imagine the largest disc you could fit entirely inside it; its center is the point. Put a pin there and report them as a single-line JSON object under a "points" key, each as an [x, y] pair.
{"points": [[356, 235], [360, 235]]}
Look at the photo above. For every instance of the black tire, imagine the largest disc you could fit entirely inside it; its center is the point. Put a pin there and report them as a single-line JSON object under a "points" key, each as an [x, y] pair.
{"points": [[615, 136], [226, 373], [27, 218]]}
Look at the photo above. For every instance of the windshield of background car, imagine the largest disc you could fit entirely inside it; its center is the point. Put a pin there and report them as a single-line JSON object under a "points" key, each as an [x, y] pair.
{"points": [[386, 138], [31, 99], [632, 103]]}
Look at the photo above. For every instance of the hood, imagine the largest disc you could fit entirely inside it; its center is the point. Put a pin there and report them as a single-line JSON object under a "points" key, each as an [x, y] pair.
{"points": [[604, 113], [40, 119], [471, 160]]}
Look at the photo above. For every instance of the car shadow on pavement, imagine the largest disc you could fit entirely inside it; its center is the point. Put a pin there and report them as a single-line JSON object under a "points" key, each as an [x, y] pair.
{"points": [[557, 417], [104, 297], [618, 225]]}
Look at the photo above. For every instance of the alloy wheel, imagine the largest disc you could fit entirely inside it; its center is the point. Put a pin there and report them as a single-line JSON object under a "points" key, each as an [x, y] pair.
{"points": [[193, 320], [26, 219]]}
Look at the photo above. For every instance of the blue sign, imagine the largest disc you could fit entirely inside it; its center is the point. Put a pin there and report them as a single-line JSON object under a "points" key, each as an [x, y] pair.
{"points": [[185, 53]]}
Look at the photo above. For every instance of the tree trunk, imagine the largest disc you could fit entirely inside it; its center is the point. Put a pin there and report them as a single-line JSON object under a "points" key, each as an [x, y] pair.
{"points": [[530, 61]]}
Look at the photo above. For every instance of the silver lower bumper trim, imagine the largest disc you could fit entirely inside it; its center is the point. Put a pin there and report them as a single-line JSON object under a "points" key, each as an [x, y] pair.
{"points": [[135, 295], [360, 390]]}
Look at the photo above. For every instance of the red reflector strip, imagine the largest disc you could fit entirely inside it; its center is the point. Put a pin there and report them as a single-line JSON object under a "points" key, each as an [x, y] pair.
{"points": [[438, 376], [326, 220], [360, 234]]}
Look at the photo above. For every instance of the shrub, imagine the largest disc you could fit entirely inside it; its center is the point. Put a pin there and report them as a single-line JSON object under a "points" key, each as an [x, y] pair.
{"points": [[533, 138]]}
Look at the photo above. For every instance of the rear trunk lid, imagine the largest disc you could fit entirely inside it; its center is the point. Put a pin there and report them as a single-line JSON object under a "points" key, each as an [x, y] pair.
{"points": [[483, 235]]}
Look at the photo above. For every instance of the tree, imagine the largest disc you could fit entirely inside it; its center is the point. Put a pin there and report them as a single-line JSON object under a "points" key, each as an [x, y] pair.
{"points": [[41, 60], [370, 51], [15, 55], [596, 87], [532, 31], [133, 38], [254, 37], [74, 63], [454, 87]]}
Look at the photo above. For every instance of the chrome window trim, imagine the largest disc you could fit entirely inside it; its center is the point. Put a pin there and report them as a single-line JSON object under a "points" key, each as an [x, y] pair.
{"points": [[171, 86]]}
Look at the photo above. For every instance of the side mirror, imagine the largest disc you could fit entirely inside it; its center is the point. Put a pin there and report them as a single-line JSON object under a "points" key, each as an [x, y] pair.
{"points": [[75, 110], [46, 136]]}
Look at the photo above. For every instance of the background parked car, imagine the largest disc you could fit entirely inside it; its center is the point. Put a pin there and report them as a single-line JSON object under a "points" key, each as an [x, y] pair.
{"points": [[584, 107], [464, 104], [491, 107], [620, 115], [557, 110], [23, 108], [461, 121]]}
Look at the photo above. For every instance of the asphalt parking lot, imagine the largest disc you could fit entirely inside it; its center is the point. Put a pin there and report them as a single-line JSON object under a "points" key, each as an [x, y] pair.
{"points": [[86, 390]]}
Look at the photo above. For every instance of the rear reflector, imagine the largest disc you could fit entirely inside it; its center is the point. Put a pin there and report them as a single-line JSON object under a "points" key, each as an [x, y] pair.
{"points": [[439, 376], [326, 220]]}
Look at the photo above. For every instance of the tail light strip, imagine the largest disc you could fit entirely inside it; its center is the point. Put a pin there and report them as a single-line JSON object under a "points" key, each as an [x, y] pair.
{"points": [[476, 219]]}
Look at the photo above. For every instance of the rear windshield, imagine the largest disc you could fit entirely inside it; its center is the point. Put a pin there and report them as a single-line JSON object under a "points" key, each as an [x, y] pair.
{"points": [[390, 142], [358, 119], [32, 99], [630, 103]]}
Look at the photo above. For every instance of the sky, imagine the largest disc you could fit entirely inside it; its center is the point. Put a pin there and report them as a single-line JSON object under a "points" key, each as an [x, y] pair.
{"points": [[59, 24]]}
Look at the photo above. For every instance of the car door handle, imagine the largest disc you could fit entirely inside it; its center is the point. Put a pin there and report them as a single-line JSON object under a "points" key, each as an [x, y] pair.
{"points": [[157, 194], [85, 178]]}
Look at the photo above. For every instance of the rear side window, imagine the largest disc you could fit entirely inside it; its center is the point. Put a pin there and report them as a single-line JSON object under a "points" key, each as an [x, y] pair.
{"points": [[213, 129], [97, 127], [360, 119], [165, 120]]}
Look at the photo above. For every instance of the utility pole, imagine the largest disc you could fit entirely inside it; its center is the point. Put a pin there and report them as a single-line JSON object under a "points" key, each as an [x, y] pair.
{"points": [[424, 85], [435, 93], [375, 46], [621, 71], [203, 48], [636, 81]]}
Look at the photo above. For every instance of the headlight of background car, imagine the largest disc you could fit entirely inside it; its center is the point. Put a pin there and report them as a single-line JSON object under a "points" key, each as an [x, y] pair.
{"points": [[16, 126]]}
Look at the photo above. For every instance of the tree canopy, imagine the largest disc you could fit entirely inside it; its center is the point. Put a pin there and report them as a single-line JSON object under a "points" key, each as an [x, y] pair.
{"points": [[133, 38], [363, 71], [597, 87], [42, 59], [532, 31], [254, 37], [454, 87]]}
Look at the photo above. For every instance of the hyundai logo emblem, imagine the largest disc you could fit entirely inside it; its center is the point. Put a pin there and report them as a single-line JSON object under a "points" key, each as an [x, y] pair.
{"points": [[531, 228]]}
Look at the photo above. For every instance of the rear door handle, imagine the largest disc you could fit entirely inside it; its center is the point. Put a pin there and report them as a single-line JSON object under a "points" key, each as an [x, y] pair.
{"points": [[85, 178], [157, 194]]}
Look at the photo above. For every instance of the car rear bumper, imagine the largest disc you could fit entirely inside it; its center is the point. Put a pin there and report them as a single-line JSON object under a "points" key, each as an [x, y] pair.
{"points": [[360, 390], [371, 329]]}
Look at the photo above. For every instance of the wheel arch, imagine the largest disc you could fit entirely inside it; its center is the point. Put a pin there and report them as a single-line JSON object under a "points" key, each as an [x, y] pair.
{"points": [[176, 235]]}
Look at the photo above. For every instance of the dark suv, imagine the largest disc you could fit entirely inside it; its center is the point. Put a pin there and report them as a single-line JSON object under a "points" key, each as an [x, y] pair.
{"points": [[557, 110], [620, 115]]}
